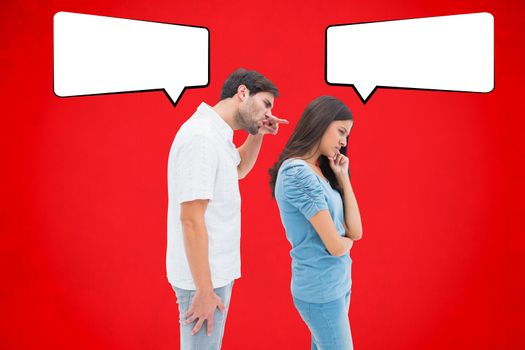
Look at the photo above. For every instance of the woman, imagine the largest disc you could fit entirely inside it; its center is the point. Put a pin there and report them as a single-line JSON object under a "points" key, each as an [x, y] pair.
{"points": [[319, 212]]}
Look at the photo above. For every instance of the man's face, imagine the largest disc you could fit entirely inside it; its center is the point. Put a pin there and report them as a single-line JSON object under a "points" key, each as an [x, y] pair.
{"points": [[253, 110]]}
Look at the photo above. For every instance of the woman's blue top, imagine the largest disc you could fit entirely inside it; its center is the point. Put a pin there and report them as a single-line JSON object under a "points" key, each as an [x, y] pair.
{"points": [[317, 276]]}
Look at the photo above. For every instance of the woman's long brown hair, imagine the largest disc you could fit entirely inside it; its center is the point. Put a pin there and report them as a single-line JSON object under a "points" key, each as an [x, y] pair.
{"points": [[306, 137]]}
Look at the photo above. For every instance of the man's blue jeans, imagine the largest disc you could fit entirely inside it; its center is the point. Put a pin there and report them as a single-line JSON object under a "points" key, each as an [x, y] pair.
{"points": [[328, 323], [201, 340]]}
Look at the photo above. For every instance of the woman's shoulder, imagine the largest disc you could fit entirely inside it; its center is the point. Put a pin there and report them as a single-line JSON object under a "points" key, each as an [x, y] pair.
{"points": [[292, 163], [294, 167], [298, 183], [295, 170]]}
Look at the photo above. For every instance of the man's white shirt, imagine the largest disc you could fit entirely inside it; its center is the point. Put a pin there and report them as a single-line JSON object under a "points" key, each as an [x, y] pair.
{"points": [[203, 164]]}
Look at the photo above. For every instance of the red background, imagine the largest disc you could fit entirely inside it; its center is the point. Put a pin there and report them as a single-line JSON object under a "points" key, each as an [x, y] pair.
{"points": [[439, 177]]}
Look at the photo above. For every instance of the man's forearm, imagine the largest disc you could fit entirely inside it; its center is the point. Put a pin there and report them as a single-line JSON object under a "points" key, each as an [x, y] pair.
{"points": [[249, 152], [196, 247]]}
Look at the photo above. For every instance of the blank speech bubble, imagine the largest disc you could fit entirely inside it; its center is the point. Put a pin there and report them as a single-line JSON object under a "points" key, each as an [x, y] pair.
{"points": [[452, 53], [101, 55]]}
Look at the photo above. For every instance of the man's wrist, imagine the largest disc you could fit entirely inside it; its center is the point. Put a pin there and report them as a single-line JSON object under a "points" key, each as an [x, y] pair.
{"points": [[204, 292], [204, 287]]}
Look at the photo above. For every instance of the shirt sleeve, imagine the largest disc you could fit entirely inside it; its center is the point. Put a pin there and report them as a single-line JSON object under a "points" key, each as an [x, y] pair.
{"points": [[195, 170], [302, 189]]}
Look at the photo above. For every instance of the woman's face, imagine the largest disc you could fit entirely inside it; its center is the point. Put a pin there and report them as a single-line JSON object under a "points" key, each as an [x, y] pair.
{"points": [[335, 136]]}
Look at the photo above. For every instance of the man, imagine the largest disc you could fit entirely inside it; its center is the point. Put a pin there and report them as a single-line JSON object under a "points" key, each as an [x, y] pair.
{"points": [[203, 254]]}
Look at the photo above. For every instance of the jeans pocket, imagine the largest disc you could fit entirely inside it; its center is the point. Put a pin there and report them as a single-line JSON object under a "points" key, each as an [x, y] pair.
{"points": [[184, 299], [191, 295]]}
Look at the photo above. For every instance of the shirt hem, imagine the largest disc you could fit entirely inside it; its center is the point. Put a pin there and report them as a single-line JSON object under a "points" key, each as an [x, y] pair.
{"points": [[323, 300]]}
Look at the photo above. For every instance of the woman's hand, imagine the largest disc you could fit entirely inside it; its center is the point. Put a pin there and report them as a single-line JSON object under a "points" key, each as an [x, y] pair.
{"points": [[339, 165]]}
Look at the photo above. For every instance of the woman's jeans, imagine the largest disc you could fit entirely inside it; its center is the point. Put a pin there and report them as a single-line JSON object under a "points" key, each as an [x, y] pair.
{"points": [[328, 323], [201, 341]]}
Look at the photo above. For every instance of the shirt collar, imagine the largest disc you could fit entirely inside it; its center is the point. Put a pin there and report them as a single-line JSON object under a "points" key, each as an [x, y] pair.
{"points": [[222, 127]]}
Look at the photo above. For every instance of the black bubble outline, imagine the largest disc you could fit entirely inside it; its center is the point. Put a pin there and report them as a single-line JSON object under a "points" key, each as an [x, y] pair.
{"points": [[364, 101], [174, 103]]}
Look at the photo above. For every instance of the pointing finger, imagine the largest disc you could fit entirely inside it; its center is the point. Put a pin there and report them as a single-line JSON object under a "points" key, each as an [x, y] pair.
{"points": [[278, 120]]}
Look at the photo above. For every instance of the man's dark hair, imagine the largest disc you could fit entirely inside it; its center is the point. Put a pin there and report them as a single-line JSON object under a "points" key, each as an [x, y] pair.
{"points": [[254, 81]]}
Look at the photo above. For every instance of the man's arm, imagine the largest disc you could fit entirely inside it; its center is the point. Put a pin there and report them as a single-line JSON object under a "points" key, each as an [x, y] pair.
{"points": [[249, 152], [196, 246], [196, 242], [251, 147]]}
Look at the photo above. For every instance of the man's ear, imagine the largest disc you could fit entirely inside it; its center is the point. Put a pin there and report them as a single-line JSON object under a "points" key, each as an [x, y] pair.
{"points": [[243, 92]]}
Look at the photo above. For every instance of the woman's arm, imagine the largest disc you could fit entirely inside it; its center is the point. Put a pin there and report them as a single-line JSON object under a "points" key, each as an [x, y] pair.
{"points": [[353, 226], [325, 228], [302, 190]]}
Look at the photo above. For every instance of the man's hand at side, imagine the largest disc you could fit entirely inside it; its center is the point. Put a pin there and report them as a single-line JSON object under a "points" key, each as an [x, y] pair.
{"points": [[202, 309], [196, 246]]}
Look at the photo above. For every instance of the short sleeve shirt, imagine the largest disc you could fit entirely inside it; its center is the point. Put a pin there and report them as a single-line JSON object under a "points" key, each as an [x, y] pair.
{"points": [[203, 164], [317, 276]]}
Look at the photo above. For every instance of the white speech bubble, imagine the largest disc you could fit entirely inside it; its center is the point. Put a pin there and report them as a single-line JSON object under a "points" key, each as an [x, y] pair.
{"points": [[452, 53], [100, 55]]}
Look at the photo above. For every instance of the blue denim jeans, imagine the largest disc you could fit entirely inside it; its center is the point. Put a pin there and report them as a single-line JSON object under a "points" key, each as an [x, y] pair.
{"points": [[328, 323], [200, 340]]}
